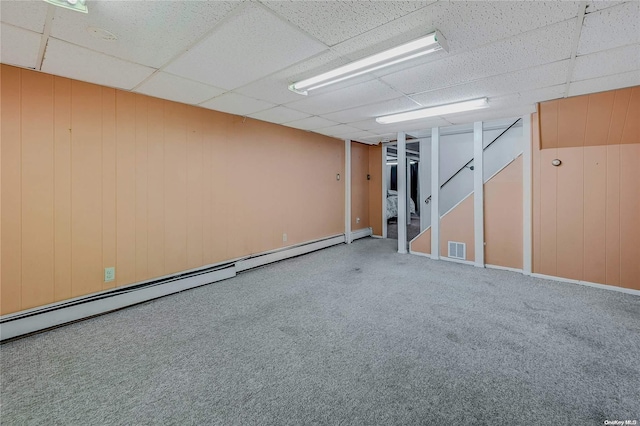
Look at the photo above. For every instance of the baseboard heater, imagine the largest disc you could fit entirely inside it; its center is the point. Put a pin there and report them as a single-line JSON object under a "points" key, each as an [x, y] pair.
{"points": [[57, 314]]}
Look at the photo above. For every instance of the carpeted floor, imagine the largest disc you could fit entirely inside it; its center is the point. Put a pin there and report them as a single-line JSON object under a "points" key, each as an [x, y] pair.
{"points": [[348, 335], [413, 229]]}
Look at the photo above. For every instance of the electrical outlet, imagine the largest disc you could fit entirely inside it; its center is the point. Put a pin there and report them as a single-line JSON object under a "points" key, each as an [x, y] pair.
{"points": [[357, 220], [284, 238], [109, 274]]}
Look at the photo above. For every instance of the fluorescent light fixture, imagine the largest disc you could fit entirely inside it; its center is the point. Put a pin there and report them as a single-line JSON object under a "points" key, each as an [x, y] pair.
{"points": [[413, 49], [77, 5], [434, 111]]}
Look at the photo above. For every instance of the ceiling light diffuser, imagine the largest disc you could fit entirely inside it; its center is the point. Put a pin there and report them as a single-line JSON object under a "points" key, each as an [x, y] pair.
{"points": [[413, 49], [77, 5], [434, 111]]}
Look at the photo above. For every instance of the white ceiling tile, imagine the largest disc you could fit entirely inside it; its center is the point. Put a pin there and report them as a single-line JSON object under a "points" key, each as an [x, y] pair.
{"points": [[246, 47], [610, 28], [235, 103], [29, 14], [349, 97], [174, 88], [371, 125], [607, 62], [76, 62], [276, 87], [373, 110], [149, 32], [311, 123], [464, 24], [523, 80], [490, 114], [19, 47], [347, 18], [358, 135], [279, 115], [595, 5], [338, 130], [528, 50], [602, 84]]}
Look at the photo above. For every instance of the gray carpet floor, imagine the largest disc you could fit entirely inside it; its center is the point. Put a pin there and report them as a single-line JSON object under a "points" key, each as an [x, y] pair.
{"points": [[348, 335], [413, 229]]}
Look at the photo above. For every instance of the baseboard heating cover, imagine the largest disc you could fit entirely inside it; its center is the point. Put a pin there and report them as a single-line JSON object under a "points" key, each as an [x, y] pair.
{"points": [[284, 253], [60, 313], [33, 320], [361, 233]]}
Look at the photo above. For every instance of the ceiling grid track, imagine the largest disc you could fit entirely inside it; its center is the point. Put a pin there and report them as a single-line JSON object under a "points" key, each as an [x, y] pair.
{"points": [[574, 48], [48, 23], [234, 12]]}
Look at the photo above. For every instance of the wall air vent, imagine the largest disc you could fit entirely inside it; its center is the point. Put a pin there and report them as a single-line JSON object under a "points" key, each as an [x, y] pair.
{"points": [[457, 250]]}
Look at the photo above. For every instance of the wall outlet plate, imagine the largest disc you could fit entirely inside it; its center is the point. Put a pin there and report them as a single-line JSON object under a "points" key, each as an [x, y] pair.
{"points": [[284, 238], [109, 274]]}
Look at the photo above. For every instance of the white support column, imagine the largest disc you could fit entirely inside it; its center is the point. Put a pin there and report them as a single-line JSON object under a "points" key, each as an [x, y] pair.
{"points": [[347, 191], [423, 175], [435, 193], [408, 192], [478, 194], [401, 177], [526, 195], [384, 191]]}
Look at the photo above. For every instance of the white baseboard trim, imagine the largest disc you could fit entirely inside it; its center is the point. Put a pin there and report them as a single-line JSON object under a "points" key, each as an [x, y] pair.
{"points": [[24, 323], [361, 233], [502, 268], [60, 313], [589, 284], [287, 252], [417, 253], [464, 262], [377, 236]]}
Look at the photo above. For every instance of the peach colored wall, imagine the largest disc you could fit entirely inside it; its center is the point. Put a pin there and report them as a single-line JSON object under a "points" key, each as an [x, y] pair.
{"points": [[422, 243], [586, 212], [606, 118], [95, 177], [359, 185], [457, 225], [503, 217], [375, 189]]}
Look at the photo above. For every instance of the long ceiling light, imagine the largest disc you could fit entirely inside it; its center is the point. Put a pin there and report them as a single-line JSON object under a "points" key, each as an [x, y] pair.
{"points": [[413, 49], [434, 111], [77, 5]]}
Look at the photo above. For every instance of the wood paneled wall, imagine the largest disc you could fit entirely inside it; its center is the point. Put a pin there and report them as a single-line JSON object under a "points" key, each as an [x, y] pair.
{"points": [[606, 118], [503, 217], [366, 195], [587, 210], [359, 186], [375, 189], [94, 177], [457, 225]]}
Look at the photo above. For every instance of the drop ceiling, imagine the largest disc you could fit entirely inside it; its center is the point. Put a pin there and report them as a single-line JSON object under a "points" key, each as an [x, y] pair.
{"points": [[240, 56]]}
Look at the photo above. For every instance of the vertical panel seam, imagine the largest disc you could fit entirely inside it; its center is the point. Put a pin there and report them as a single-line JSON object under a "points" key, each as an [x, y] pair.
{"points": [[53, 160], [584, 228], [71, 180], [620, 211], [626, 116], [555, 224], [21, 157], [615, 95], [115, 164]]}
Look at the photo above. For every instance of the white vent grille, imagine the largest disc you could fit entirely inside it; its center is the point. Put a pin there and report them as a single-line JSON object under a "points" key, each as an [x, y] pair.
{"points": [[457, 250]]}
